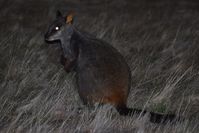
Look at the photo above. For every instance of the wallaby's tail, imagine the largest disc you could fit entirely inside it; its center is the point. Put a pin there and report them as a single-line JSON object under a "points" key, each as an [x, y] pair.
{"points": [[154, 117]]}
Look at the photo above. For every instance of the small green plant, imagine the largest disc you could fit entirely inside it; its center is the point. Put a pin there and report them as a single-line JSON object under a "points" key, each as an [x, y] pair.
{"points": [[160, 107]]}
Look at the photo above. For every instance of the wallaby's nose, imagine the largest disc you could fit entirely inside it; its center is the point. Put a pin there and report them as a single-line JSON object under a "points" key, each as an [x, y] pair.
{"points": [[46, 37]]}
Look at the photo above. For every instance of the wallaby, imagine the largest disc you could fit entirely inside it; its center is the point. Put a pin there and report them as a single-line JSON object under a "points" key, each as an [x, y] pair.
{"points": [[102, 73]]}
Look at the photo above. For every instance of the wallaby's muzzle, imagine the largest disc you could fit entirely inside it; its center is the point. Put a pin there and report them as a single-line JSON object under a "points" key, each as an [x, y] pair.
{"points": [[46, 36]]}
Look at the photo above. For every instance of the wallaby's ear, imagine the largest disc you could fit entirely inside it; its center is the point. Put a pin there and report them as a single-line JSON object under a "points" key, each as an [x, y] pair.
{"points": [[69, 18], [59, 14]]}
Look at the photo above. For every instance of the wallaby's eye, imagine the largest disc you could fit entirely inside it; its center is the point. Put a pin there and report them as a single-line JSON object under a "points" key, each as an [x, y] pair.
{"points": [[56, 28]]}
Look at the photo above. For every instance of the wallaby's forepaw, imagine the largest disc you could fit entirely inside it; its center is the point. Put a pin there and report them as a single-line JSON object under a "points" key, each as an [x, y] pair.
{"points": [[62, 60], [68, 65]]}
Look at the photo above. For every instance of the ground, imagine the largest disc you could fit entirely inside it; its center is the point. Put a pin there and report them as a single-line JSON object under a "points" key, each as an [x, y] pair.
{"points": [[159, 40]]}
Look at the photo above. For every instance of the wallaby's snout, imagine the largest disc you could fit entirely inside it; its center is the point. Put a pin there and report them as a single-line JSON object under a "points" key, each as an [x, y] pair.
{"points": [[46, 37]]}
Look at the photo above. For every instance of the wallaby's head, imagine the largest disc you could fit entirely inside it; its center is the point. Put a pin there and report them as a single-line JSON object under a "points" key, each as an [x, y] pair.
{"points": [[61, 28]]}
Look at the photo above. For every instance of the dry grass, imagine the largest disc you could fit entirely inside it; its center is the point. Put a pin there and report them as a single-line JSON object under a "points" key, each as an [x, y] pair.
{"points": [[159, 41]]}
